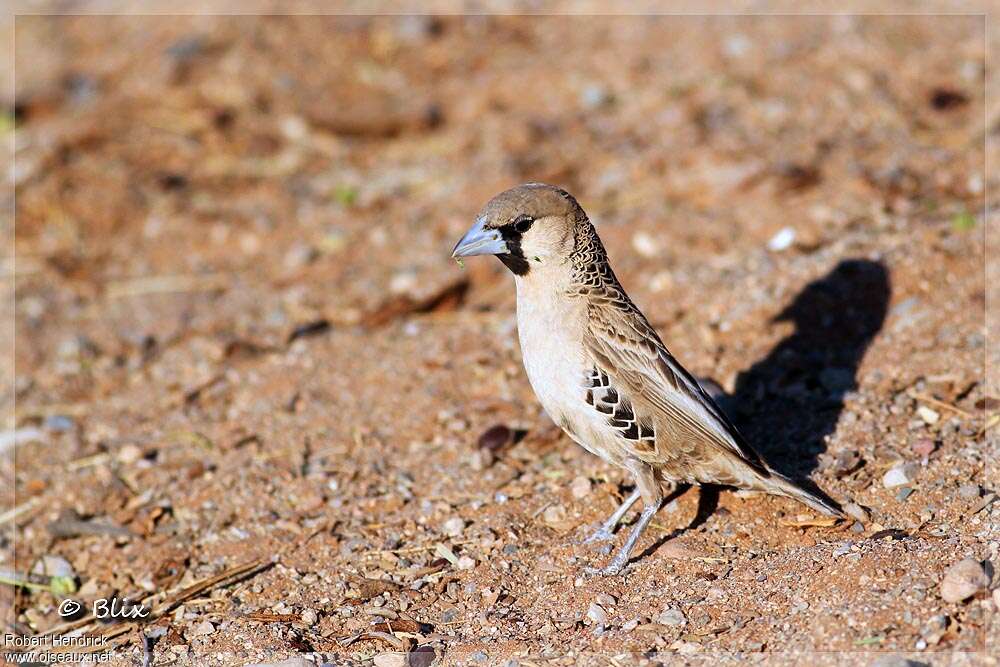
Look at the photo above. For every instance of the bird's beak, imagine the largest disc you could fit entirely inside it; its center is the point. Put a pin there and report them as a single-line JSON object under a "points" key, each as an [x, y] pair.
{"points": [[480, 241]]}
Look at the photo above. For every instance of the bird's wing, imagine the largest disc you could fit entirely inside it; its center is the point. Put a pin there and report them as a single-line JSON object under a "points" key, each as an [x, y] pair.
{"points": [[626, 347]]}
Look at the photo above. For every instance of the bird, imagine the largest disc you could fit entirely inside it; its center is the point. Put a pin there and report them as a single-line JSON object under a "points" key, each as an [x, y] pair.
{"points": [[600, 370]]}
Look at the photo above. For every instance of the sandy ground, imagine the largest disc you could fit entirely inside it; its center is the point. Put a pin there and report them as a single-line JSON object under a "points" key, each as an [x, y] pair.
{"points": [[239, 338]]}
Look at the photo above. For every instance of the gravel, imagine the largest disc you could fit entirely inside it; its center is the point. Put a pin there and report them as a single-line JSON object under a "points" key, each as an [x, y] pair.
{"points": [[963, 580]]}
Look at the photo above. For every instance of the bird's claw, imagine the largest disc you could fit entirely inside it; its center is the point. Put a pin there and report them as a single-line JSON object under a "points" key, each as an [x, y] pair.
{"points": [[612, 570], [602, 534]]}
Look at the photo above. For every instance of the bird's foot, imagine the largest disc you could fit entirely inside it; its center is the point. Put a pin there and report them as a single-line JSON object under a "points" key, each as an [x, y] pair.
{"points": [[612, 569], [602, 534]]}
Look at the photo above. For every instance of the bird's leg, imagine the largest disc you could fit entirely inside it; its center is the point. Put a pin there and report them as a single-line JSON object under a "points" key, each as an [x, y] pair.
{"points": [[652, 497], [606, 531]]}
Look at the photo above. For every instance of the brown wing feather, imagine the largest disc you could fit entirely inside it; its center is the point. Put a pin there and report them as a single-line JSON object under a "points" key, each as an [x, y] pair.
{"points": [[627, 348]]}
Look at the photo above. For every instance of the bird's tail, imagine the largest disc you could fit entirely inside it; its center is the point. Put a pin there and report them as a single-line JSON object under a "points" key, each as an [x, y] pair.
{"points": [[778, 484]]}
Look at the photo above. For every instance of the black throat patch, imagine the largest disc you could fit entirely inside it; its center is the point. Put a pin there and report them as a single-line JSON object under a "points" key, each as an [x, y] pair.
{"points": [[514, 259]]}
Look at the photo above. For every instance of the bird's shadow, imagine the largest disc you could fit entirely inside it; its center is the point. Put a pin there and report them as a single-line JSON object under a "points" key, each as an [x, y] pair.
{"points": [[789, 401]]}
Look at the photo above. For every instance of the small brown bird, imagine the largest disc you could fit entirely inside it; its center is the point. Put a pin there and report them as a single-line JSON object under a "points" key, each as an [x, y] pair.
{"points": [[600, 370]]}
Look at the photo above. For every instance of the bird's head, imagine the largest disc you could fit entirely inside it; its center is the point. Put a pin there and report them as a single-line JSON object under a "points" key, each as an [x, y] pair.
{"points": [[530, 226]]}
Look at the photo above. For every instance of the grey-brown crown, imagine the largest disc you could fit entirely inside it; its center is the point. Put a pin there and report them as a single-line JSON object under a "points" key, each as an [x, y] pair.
{"points": [[531, 200]]}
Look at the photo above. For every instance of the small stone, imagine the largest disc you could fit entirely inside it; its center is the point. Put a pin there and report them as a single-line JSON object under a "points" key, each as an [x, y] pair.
{"points": [[899, 474], [580, 488], [858, 527], [605, 599], [129, 454], [933, 631], [846, 462], [554, 515], [453, 527], [922, 447], [390, 659], [896, 661], [858, 512], [495, 438], [466, 563], [903, 494], [297, 661], [481, 459], [672, 617], [299, 255], [644, 244], [595, 96], [929, 416], [634, 623], [59, 423], [480, 656], [783, 240], [842, 550], [202, 629], [309, 617], [597, 614], [963, 580], [403, 283], [969, 491], [53, 566]]}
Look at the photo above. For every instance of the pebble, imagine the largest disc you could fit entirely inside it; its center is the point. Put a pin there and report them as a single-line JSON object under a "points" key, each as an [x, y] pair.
{"points": [[845, 462], [929, 416], [554, 515], [129, 454], [53, 566], [671, 616], [595, 96], [481, 459], [59, 423], [645, 245], [299, 255], [922, 447], [969, 491], [842, 550], [580, 488], [390, 659], [783, 240], [963, 580], [466, 563], [309, 617], [453, 527], [903, 494], [899, 474], [634, 623], [202, 629], [297, 661], [605, 599], [858, 512], [495, 438], [597, 614], [934, 629], [858, 527], [896, 661]]}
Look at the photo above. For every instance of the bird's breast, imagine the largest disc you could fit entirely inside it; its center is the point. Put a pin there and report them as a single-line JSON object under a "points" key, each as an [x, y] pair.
{"points": [[550, 329]]}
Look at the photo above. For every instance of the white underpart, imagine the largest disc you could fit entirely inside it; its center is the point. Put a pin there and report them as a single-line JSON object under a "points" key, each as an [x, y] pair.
{"points": [[549, 328]]}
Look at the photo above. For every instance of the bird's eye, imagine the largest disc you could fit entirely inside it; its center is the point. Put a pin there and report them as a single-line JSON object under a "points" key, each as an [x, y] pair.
{"points": [[522, 224]]}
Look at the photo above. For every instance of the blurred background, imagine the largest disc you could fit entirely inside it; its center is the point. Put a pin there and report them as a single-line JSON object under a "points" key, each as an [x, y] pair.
{"points": [[234, 293]]}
